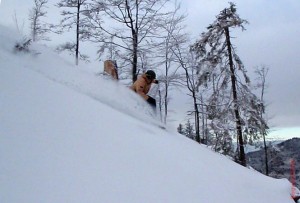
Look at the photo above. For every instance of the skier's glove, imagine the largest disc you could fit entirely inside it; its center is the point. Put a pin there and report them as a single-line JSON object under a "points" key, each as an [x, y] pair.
{"points": [[155, 81], [150, 100]]}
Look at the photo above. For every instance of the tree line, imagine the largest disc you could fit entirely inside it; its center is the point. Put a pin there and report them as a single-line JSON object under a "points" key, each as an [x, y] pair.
{"points": [[151, 34]]}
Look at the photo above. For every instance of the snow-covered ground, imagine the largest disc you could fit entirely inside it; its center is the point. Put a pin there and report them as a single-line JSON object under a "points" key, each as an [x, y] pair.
{"points": [[68, 135]]}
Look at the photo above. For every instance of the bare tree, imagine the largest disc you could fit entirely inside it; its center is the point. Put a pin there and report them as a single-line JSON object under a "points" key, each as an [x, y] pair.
{"points": [[188, 64], [173, 36], [131, 23], [72, 16], [37, 27], [19, 27], [262, 73]]}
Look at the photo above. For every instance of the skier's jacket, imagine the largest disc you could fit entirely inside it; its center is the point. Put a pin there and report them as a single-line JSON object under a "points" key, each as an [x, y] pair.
{"points": [[142, 86]]}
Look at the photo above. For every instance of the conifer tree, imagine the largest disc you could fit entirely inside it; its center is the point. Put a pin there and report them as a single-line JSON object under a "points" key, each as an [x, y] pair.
{"points": [[189, 130], [180, 129], [232, 105]]}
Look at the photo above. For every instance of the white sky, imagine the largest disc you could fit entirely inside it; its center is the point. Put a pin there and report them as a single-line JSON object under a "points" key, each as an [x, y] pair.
{"points": [[271, 39]]}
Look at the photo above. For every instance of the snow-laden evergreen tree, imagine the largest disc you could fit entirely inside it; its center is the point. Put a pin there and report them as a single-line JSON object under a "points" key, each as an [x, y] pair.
{"points": [[180, 129], [232, 106], [73, 17], [38, 28], [217, 111], [189, 130]]}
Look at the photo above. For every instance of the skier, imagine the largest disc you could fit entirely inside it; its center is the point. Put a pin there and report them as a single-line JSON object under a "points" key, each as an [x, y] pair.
{"points": [[143, 84]]}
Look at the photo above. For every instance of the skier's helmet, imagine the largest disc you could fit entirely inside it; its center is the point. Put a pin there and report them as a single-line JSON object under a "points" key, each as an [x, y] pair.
{"points": [[150, 74]]}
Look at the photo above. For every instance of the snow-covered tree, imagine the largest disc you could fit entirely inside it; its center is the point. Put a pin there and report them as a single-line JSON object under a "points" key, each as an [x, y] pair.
{"points": [[189, 130], [180, 129], [232, 105], [38, 28]]}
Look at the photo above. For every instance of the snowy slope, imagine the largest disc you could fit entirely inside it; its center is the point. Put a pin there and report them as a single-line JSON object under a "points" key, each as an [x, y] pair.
{"points": [[67, 135]]}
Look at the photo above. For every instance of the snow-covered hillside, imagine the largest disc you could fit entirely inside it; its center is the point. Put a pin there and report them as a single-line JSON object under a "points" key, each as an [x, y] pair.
{"points": [[67, 135]]}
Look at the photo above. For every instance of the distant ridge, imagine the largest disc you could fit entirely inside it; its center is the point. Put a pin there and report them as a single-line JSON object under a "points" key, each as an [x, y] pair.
{"points": [[279, 159]]}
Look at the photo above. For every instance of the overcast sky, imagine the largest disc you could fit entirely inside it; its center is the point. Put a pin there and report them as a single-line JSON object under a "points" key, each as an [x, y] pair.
{"points": [[271, 39]]}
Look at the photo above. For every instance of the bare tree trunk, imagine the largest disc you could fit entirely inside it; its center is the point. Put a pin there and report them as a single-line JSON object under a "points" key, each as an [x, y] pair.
{"points": [[266, 155], [77, 32], [34, 28], [204, 137], [134, 60], [34, 21], [242, 156], [192, 89], [197, 121], [134, 32], [263, 74], [166, 90], [160, 105], [263, 130]]}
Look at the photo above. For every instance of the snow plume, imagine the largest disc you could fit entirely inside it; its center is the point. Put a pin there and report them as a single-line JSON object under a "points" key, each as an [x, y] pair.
{"points": [[67, 135]]}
